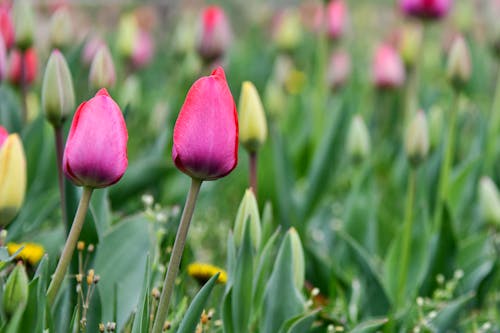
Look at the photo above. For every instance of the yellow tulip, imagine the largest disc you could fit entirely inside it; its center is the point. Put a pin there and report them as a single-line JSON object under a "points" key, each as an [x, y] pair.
{"points": [[12, 178], [252, 122]]}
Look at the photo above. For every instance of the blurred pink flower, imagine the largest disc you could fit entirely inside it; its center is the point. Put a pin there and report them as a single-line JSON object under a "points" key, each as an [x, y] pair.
{"points": [[143, 50], [96, 151], [206, 131], [3, 135], [336, 18], [6, 26], [339, 69], [214, 33], [31, 66], [90, 48], [387, 68], [426, 9], [3, 60]]}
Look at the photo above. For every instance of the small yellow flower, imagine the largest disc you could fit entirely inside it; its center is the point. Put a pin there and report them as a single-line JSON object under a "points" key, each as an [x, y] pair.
{"points": [[32, 252], [203, 272]]}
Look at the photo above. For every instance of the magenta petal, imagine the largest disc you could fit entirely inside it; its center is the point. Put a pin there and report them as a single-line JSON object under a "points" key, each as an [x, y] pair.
{"points": [[96, 150], [426, 9], [206, 131], [3, 135]]}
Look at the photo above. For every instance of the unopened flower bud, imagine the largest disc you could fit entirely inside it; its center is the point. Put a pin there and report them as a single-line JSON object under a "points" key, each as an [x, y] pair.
{"points": [[213, 34], [459, 68], [336, 18], [339, 69], [410, 42], [358, 140], [248, 212], [417, 139], [489, 201], [387, 68], [252, 120], [287, 29], [128, 30], [90, 276], [24, 26], [58, 96], [16, 290], [297, 258], [80, 246], [102, 70], [61, 29], [102, 328], [130, 93]]}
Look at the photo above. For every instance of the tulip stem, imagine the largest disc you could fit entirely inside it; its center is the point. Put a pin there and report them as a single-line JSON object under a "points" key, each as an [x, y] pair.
{"points": [[446, 165], [253, 172], [70, 245], [175, 258], [23, 84], [59, 156]]}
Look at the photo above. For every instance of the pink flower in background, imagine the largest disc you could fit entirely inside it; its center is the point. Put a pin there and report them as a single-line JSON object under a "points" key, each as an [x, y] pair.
{"points": [[31, 66], [214, 34], [339, 69], [387, 68], [336, 18], [206, 131], [92, 45], [3, 135], [6, 26], [427, 9], [143, 49], [3, 60], [96, 150]]}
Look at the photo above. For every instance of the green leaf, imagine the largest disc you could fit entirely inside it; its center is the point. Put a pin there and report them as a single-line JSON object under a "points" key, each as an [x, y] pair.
{"points": [[141, 318], [369, 326], [192, 316], [282, 300], [227, 315], [242, 284], [447, 318], [299, 324], [124, 248]]}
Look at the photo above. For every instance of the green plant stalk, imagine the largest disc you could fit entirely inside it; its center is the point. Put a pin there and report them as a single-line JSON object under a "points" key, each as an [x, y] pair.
{"points": [[69, 247], [175, 258], [406, 241], [444, 174], [59, 155], [253, 171], [494, 126], [24, 90]]}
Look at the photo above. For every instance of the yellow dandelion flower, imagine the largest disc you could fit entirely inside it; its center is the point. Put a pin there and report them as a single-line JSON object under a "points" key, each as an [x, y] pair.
{"points": [[32, 252], [203, 272]]}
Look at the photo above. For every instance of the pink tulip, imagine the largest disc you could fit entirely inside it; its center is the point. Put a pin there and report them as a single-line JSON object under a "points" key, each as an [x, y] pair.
{"points": [[336, 18], [206, 131], [339, 69], [96, 150], [426, 9], [3, 60], [387, 68], [143, 49], [30, 69], [214, 34], [3, 135], [90, 49], [6, 26]]}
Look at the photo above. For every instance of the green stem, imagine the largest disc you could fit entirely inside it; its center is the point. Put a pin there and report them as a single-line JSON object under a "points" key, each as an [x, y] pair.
{"points": [[253, 171], [406, 240], [59, 155], [444, 174], [494, 126], [70, 245], [24, 89], [175, 258]]}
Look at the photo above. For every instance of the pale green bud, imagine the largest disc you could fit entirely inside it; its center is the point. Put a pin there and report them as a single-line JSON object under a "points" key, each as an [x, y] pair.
{"points": [[102, 70], [358, 140], [248, 212], [130, 92], [58, 95], [459, 68], [288, 30], [252, 120], [411, 42], [489, 201], [299, 267], [24, 25], [417, 139], [15, 294], [128, 30], [61, 29]]}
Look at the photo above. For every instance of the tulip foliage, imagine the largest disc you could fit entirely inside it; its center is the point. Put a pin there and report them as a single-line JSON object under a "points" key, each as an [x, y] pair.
{"points": [[312, 166]]}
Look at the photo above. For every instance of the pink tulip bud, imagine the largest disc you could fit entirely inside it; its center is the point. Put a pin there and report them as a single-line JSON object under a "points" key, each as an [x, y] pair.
{"points": [[426, 9], [214, 34], [6, 26], [339, 69], [30, 66], [387, 68], [3, 135], [3, 59], [336, 18], [90, 49], [206, 131], [143, 49], [96, 149]]}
